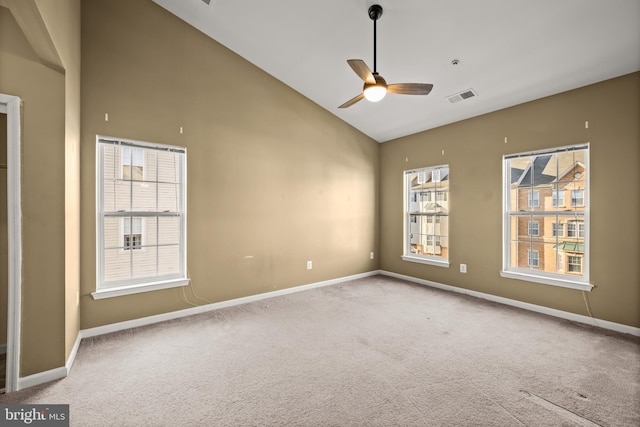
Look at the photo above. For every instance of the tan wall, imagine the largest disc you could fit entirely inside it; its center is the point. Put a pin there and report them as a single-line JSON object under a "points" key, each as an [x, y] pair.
{"points": [[273, 180], [474, 150], [43, 133], [62, 19]]}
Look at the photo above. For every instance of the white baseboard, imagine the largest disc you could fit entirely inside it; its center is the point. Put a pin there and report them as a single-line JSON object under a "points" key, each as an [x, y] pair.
{"points": [[42, 377], [51, 374], [73, 353], [618, 327]]}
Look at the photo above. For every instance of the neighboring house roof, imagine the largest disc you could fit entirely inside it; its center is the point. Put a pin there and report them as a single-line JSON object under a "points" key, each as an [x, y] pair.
{"points": [[571, 168], [534, 173]]}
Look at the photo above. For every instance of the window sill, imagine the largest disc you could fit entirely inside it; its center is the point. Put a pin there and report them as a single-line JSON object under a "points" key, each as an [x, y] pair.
{"points": [[429, 261], [571, 284], [136, 289]]}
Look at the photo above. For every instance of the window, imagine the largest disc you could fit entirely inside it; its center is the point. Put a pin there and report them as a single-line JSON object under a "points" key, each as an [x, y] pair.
{"points": [[575, 229], [577, 197], [558, 198], [141, 221], [536, 246], [574, 263], [426, 223], [132, 236], [558, 230]]}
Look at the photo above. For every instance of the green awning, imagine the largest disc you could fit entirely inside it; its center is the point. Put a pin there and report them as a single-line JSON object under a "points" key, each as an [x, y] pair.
{"points": [[571, 247]]}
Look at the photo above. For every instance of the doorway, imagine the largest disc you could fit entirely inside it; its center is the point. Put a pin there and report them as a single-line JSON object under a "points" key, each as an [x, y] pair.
{"points": [[11, 243]]}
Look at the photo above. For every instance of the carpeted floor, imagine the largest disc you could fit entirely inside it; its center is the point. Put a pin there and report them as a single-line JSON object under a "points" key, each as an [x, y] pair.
{"points": [[371, 352]]}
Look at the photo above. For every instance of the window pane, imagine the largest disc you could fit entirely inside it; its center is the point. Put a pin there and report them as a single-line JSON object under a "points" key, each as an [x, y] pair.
{"points": [[168, 230], [169, 257], [168, 167], [144, 196], [168, 197], [117, 264], [150, 231], [144, 263], [111, 233]]}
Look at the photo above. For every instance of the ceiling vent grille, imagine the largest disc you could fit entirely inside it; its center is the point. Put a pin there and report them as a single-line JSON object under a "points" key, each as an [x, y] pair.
{"points": [[469, 93]]}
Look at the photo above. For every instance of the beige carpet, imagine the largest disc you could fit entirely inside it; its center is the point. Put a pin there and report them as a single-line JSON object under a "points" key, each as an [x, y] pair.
{"points": [[371, 352]]}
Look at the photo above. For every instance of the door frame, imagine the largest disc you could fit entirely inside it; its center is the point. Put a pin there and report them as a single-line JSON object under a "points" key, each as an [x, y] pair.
{"points": [[11, 105]]}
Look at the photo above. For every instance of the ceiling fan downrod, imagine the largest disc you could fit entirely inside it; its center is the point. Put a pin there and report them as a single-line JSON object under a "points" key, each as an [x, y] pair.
{"points": [[375, 12]]}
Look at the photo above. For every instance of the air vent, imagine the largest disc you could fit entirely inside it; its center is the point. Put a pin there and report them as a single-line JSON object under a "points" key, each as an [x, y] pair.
{"points": [[207, 2], [469, 93]]}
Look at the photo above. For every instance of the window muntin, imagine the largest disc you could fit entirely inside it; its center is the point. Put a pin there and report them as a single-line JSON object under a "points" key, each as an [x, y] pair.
{"points": [[535, 185], [141, 224], [427, 215]]}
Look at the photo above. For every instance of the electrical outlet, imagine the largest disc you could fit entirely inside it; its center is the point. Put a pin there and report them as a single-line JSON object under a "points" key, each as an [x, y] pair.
{"points": [[371, 255], [309, 265], [463, 268]]}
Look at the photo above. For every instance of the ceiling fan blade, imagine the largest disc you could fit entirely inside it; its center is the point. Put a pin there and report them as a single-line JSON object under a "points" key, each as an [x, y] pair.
{"points": [[410, 88], [361, 69], [352, 101]]}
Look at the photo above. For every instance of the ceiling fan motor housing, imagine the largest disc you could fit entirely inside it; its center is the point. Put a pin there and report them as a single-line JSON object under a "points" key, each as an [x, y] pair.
{"points": [[375, 12]]}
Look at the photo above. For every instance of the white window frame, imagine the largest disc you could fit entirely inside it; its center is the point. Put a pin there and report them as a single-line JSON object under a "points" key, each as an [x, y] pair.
{"points": [[435, 173], [126, 287], [534, 199], [540, 276], [533, 226], [533, 255]]}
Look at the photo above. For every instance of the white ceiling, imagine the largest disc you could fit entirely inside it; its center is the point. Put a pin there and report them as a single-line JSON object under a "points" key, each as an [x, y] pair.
{"points": [[510, 51]]}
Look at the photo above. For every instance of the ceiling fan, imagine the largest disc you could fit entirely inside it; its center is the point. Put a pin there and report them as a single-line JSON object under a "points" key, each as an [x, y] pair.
{"points": [[375, 87]]}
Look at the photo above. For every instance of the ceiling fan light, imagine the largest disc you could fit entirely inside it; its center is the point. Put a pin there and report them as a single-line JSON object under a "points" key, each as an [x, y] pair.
{"points": [[375, 93]]}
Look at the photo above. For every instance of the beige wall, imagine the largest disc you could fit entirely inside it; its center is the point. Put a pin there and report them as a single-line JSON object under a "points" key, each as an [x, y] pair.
{"points": [[273, 179], [42, 92], [474, 150], [62, 19], [50, 125]]}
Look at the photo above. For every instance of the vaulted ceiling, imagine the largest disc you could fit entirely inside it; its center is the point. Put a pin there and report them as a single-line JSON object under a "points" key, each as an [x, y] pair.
{"points": [[507, 51]]}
